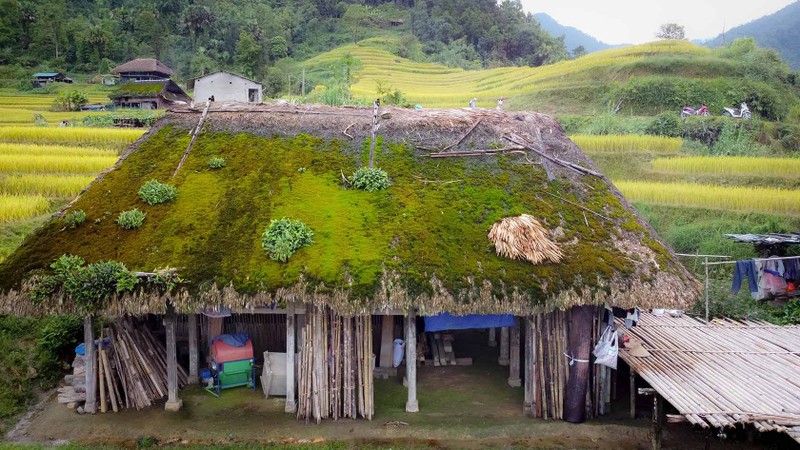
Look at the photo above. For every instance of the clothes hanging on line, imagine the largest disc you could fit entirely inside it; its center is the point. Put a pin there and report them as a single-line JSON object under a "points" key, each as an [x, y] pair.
{"points": [[768, 277]]}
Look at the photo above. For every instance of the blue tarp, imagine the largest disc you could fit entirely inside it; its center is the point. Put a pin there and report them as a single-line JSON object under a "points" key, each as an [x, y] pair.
{"points": [[234, 340], [445, 321]]}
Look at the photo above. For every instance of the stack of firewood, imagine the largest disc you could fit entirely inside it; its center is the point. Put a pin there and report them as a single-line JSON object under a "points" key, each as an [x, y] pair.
{"points": [[131, 371]]}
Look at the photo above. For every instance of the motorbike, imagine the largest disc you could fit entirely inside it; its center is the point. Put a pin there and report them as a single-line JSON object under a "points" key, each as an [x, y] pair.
{"points": [[689, 111], [742, 113]]}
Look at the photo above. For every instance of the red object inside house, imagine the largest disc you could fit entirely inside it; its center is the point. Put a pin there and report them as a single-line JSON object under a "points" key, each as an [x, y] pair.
{"points": [[222, 352]]}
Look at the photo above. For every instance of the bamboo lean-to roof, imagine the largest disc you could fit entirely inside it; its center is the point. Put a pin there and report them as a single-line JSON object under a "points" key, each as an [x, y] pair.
{"points": [[421, 243], [725, 373]]}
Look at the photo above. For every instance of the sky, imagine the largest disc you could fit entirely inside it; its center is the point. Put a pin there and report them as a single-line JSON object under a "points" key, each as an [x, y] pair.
{"points": [[636, 21]]}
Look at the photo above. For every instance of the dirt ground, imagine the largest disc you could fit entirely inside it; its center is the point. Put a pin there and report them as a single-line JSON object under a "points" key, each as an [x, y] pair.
{"points": [[460, 407]]}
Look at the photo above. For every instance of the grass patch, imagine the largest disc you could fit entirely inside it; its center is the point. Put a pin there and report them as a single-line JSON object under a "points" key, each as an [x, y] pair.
{"points": [[748, 199], [627, 143]]}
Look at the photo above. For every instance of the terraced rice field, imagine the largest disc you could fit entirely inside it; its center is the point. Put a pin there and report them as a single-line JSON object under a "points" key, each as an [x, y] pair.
{"points": [[43, 168], [19, 108], [628, 143], [434, 85], [731, 198], [731, 165]]}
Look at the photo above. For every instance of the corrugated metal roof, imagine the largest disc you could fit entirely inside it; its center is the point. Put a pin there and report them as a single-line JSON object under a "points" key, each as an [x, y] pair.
{"points": [[46, 74], [767, 239]]}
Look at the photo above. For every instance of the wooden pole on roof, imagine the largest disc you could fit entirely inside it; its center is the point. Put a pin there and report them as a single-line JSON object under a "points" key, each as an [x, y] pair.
{"points": [[411, 361], [193, 354], [291, 404], [173, 402], [88, 354], [375, 106]]}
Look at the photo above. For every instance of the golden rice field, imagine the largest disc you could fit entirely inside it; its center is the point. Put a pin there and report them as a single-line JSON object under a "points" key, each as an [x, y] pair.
{"points": [[100, 137], [54, 150], [18, 207], [745, 199], [627, 143], [434, 85], [19, 108], [54, 164], [731, 165], [45, 184]]}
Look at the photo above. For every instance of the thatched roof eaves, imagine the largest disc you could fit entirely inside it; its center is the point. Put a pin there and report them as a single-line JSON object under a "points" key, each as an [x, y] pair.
{"points": [[422, 243]]}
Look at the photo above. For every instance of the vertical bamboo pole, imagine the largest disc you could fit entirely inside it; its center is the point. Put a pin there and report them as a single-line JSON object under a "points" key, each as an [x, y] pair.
{"points": [[492, 337], [91, 388], [530, 368], [633, 393], [291, 404], [658, 414], [411, 361], [503, 359], [101, 375], [513, 366], [191, 323], [173, 402]]}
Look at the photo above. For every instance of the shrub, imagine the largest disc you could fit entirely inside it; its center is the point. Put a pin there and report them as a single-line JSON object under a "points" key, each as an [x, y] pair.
{"points": [[216, 162], [665, 124], [131, 219], [89, 286], [154, 192], [75, 218], [284, 237], [370, 179]]}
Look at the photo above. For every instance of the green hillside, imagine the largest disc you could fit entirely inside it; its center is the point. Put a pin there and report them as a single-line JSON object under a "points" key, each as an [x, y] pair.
{"points": [[647, 78]]}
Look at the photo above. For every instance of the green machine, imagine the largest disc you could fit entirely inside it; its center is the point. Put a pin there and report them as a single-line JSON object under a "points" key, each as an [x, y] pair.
{"points": [[232, 363]]}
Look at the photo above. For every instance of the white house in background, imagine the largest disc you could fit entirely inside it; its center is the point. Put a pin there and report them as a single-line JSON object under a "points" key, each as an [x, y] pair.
{"points": [[225, 87]]}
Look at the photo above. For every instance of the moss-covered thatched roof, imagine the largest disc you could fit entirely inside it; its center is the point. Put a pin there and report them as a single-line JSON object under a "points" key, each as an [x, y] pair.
{"points": [[420, 243]]}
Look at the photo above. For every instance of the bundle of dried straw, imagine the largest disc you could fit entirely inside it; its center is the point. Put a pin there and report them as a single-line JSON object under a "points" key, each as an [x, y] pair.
{"points": [[523, 237]]}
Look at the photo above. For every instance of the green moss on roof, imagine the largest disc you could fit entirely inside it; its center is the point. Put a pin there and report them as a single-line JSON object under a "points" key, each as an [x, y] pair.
{"points": [[137, 90], [427, 231]]}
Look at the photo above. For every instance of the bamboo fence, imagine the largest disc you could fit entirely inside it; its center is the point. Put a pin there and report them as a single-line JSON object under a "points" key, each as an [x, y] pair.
{"points": [[551, 365], [335, 378], [725, 373]]}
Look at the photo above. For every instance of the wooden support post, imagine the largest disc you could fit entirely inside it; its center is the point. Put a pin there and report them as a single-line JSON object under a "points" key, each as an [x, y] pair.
{"points": [[411, 361], [633, 393], [89, 355], [529, 370], [513, 367], [579, 349], [291, 404], [387, 341], [492, 337], [191, 323], [503, 359], [173, 402], [658, 424]]}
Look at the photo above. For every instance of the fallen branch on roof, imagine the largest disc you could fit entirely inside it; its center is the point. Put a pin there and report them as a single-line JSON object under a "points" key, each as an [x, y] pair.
{"points": [[464, 136], [481, 152], [580, 169]]}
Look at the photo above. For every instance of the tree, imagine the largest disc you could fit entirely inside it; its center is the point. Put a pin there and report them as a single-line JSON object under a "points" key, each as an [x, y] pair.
{"points": [[578, 51], [278, 48], [249, 55], [196, 19], [671, 31]]}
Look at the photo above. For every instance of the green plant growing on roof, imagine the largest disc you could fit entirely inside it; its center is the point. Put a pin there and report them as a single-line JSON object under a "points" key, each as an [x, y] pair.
{"points": [[284, 237], [75, 218], [154, 192], [131, 219], [370, 179], [89, 286], [216, 162]]}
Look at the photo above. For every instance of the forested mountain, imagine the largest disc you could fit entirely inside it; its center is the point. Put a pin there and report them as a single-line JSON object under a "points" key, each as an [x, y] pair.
{"points": [[779, 31], [573, 37], [261, 37]]}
